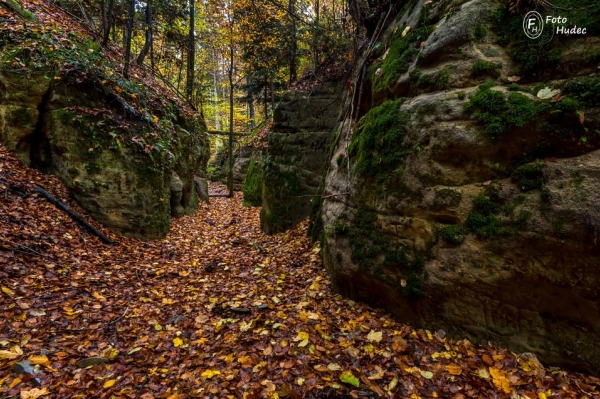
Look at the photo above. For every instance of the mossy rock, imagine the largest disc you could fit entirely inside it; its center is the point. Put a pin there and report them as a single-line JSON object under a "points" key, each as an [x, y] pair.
{"points": [[378, 143], [529, 176], [252, 187], [500, 113]]}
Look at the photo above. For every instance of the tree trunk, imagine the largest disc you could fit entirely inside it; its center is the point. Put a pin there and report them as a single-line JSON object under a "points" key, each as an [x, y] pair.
{"points": [[231, 65], [316, 35], [128, 38], [250, 101], [294, 44], [148, 42], [191, 54]]}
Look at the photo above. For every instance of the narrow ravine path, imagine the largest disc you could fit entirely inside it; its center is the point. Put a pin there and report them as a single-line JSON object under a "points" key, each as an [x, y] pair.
{"points": [[216, 310]]}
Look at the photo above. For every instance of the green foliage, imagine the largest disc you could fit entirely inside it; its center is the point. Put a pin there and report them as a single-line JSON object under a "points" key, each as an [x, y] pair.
{"points": [[529, 176], [253, 181], [461, 95], [454, 234], [443, 78], [586, 90], [483, 68], [378, 140], [514, 87], [499, 114], [479, 33]]}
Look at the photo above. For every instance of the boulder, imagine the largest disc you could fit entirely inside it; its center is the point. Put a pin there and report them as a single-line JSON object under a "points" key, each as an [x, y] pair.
{"points": [[201, 186], [298, 148]]}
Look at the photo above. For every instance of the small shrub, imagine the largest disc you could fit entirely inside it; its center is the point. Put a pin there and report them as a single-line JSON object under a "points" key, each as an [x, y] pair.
{"points": [[453, 234], [482, 68], [529, 176]]}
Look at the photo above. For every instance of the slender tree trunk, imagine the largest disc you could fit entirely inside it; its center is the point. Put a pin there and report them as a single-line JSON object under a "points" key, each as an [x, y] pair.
{"points": [[316, 35], [148, 41], [266, 102], [128, 38], [272, 95], [231, 65], [250, 101], [294, 44], [191, 53], [107, 20]]}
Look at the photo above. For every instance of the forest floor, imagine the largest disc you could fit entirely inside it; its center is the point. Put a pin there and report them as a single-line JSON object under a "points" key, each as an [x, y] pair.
{"points": [[215, 310]]}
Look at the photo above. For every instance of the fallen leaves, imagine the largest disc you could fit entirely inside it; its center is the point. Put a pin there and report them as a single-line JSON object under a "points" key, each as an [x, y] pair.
{"points": [[256, 324]]}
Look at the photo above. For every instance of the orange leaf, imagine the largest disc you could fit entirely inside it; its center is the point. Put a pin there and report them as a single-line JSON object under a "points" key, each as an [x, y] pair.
{"points": [[454, 369]]}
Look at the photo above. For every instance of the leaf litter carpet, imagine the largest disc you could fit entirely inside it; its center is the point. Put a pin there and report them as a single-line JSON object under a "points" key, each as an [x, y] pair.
{"points": [[215, 310]]}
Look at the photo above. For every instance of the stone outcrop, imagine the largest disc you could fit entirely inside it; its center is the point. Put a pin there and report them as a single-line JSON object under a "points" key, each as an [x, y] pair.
{"points": [[472, 207], [298, 147], [120, 162]]}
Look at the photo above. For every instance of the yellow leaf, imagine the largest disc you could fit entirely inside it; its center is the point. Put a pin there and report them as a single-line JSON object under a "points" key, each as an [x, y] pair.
{"points": [[454, 369], [14, 383], [158, 327], [109, 383], [303, 343], [301, 336], [13, 353], [542, 395], [483, 373], [427, 374], [375, 336], [167, 301], [210, 373], [43, 360], [7, 291], [334, 367], [99, 297], [500, 380], [155, 119], [34, 393], [177, 342], [300, 381]]}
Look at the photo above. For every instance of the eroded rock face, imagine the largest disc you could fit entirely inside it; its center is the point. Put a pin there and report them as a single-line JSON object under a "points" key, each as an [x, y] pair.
{"points": [[62, 128], [298, 147], [473, 208]]}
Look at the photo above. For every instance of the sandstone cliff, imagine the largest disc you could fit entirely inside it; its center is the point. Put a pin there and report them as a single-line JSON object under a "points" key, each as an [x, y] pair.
{"points": [[121, 148], [465, 196]]}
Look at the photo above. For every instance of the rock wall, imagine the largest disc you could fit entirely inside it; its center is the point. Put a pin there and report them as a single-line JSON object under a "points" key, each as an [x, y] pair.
{"points": [[296, 158], [120, 150], [472, 206]]}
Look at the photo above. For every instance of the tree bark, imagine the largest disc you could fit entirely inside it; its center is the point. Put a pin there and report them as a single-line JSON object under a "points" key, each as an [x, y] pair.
{"points": [[191, 54], [128, 38], [231, 65], [148, 41], [294, 43]]}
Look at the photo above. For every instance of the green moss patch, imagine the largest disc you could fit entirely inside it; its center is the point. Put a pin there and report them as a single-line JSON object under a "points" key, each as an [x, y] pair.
{"points": [[485, 68], [375, 251], [399, 57], [377, 144], [529, 176], [499, 113], [252, 187]]}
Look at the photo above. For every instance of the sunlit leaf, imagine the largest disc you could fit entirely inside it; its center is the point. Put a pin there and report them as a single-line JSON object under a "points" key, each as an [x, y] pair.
{"points": [[109, 383], [349, 378]]}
